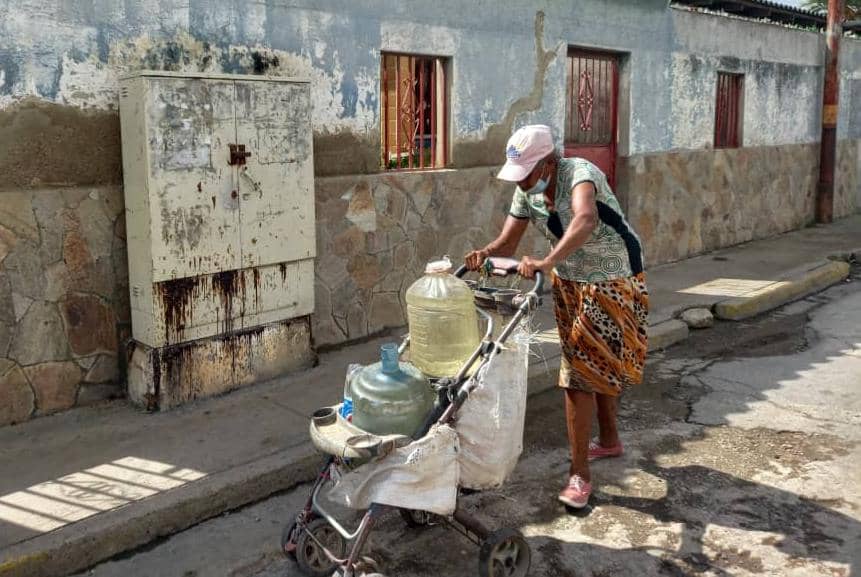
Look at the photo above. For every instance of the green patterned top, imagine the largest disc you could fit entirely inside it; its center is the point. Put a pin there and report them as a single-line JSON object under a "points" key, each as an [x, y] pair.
{"points": [[612, 251]]}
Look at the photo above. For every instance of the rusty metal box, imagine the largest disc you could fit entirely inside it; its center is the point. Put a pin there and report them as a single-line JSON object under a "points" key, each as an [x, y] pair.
{"points": [[219, 192]]}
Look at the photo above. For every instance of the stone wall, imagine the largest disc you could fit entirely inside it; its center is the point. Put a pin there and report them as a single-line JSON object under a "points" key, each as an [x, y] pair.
{"points": [[847, 178], [375, 234], [686, 203], [63, 298]]}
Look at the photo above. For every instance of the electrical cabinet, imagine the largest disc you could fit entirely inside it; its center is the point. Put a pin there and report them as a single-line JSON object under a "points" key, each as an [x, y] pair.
{"points": [[219, 192]]}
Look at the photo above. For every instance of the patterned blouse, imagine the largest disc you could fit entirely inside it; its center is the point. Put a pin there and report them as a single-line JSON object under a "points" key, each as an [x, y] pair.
{"points": [[612, 251]]}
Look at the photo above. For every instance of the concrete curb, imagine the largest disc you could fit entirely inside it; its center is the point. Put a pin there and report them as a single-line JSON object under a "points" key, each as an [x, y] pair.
{"points": [[667, 333], [88, 542], [794, 285], [853, 255]]}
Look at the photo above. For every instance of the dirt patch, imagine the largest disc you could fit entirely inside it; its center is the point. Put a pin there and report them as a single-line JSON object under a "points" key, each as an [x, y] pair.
{"points": [[345, 153], [46, 144], [741, 452], [770, 335]]}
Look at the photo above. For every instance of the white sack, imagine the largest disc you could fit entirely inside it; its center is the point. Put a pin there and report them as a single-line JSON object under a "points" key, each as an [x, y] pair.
{"points": [[490, 423], [421, 476]]}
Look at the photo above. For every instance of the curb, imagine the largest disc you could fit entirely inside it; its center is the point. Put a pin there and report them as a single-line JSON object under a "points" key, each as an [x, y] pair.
{"points": [[667, 333], [792, 286], [83, 544]]}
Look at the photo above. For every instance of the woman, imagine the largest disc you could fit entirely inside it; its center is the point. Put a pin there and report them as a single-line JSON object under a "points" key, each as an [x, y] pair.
{"points": [[599, 288]]}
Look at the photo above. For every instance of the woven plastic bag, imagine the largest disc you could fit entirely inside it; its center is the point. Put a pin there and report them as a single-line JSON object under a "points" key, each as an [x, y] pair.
{"points": [[490, 423], [422, 476]]}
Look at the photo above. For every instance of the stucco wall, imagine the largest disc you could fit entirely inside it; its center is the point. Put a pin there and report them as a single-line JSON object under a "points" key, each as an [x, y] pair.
{"points": [[507, 67]]}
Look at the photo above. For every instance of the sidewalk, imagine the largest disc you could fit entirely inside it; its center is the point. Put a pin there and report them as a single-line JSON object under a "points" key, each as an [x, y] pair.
{"points": [[91, 483]]}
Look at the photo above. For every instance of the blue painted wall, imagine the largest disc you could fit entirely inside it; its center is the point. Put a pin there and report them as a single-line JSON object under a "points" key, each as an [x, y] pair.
{"points": [[72, 53]]}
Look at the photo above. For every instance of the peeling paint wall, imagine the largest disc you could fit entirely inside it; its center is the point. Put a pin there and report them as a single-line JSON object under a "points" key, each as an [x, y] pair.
{"points": [[507, 63]]}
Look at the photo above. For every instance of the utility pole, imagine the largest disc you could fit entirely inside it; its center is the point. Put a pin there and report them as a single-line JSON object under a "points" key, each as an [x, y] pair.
{"points": [[830, 95]]}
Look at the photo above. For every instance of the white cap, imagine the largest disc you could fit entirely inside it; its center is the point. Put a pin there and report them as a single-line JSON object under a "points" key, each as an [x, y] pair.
{"points": [[525, 148], [438, 266]]}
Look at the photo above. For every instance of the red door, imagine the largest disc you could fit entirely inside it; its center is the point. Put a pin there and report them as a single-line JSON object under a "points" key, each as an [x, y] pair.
{"points": [[590, 119]]}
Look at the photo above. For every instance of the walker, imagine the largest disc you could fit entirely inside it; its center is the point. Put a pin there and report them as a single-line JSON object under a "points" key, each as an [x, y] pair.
{"points": [[323, 547]]}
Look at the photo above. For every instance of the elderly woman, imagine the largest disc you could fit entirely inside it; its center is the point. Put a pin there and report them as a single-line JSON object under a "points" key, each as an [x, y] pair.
{"points": [[599, 288]]}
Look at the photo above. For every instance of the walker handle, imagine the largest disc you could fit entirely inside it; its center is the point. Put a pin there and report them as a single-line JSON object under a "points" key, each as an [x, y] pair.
{"points": [[502, 266]]}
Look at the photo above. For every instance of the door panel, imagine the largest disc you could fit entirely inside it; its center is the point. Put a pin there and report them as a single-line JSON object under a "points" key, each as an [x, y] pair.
{"points": [[194, 215], [276, 182], [590, 123]]}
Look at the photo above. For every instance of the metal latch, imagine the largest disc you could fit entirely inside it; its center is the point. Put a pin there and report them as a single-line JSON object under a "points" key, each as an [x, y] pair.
{"points": [[237, 155]]}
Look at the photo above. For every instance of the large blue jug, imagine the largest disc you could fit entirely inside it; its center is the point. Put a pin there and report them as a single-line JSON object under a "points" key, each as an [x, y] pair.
{"points": [[390, 397]]}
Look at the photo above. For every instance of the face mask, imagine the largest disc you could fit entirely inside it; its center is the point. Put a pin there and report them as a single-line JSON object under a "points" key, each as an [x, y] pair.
{"points": [[539, 187]]}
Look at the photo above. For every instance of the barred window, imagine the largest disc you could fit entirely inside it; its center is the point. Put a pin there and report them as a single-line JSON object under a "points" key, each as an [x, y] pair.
{"points": [[414, 112]]}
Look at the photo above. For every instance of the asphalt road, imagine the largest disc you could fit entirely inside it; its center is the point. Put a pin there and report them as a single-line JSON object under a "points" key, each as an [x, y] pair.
{"points": [[743, 457]]}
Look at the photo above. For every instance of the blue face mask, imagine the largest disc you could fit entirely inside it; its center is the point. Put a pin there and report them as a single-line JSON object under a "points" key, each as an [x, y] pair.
{"points": [[539, 187]]}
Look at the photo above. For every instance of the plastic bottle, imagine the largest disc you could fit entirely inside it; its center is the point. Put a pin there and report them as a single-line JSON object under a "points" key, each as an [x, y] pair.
{"points": [[390, 397], [442, 320]]}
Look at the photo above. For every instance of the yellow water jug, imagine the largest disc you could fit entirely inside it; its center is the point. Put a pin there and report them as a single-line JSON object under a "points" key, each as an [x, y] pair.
{"points": [[442, 320]]}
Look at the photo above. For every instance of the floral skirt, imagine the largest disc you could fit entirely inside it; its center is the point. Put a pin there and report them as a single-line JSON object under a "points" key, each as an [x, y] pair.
{"points": [[602, 330]]}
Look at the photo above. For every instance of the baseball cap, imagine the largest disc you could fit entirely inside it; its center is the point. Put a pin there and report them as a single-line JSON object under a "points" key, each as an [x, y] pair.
{"points": [[525, 148]]}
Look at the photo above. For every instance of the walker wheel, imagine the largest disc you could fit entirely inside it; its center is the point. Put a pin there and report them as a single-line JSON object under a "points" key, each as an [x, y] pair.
{"points": [[504, 553], [416, 519], [310, 556]]}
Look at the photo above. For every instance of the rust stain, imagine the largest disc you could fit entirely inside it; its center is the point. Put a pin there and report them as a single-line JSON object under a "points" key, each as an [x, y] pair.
{"points": [[174, 367], [177, 303], [256, 276], [229, 286], [178, 297]]}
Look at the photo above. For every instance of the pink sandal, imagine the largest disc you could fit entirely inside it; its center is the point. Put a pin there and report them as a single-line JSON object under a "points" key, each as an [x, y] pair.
{"points": [[596, 451]]}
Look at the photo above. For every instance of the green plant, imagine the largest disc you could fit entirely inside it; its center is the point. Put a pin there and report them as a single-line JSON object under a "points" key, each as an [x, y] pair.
{"points": [[853, 7]]}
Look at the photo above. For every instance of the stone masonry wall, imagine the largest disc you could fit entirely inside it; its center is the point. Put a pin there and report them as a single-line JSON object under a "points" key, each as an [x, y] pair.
{"points": [[690, 202], [63, 298], [376, 233], [847, 178]]}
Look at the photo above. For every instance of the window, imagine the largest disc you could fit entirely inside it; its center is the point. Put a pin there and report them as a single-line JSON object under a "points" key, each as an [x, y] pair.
{"points": [[414, 112], [728, 110]]}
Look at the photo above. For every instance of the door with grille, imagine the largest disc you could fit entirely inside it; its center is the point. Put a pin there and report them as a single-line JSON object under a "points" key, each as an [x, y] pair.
{"points": [[590, 118]]}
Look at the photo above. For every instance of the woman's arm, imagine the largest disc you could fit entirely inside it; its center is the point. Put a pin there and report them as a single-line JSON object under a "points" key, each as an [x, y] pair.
{"points": [[504, 245], [584, 222]]}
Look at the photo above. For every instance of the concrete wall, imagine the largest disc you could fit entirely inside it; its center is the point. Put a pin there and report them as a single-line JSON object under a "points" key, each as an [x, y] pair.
{"points": [[61, 229]]}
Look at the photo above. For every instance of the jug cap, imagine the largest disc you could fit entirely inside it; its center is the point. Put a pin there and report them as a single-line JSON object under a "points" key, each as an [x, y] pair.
{"points": [[438, 266]]}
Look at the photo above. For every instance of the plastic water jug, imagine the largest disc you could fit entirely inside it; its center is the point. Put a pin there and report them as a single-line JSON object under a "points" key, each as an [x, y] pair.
{"points": [[442, 319], [390, 397]]}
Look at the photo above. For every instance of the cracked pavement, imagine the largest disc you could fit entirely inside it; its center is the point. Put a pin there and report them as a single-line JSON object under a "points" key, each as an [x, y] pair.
{"points": [[743, 458]]}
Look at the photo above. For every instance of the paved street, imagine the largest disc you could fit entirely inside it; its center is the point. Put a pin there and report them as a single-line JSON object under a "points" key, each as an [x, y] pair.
{"points": [[743, 458]]}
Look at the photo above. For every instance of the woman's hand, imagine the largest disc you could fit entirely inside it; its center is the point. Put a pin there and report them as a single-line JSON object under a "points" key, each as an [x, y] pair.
{"points": [[529, 265], [475, 259]]}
